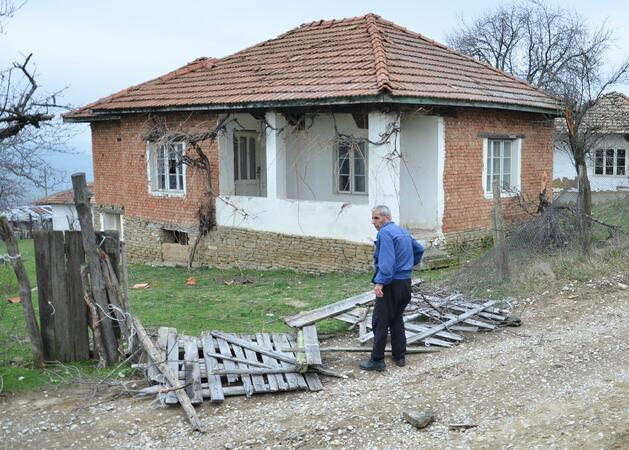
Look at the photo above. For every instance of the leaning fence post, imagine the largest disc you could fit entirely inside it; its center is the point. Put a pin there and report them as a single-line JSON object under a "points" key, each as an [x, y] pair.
{"points": [[500, 244], [82, 203]]}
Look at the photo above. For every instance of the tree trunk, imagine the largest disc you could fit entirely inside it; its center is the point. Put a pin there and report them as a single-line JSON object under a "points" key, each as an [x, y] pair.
{"points": [[6, 233], [584, 207]]}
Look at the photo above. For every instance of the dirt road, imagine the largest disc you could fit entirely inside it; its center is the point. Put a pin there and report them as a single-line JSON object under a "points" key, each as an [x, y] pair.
{"points": [[561, 380]]}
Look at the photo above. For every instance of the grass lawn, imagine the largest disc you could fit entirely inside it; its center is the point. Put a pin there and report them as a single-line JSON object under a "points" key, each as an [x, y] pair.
{"points": [[227, 300]]}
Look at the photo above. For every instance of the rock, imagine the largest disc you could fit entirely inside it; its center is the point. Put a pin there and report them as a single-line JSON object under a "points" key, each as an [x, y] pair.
{"points": [[419, 419], [623, 286]]}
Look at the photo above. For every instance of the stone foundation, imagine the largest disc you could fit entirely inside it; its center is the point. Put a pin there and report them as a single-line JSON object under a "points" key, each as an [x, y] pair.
{"points": [[150, 242]]}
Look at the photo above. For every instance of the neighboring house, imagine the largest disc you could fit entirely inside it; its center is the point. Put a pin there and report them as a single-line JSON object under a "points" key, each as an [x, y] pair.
{"points": [[26, 219], [607, 164], [65, 217], [326, 121]]}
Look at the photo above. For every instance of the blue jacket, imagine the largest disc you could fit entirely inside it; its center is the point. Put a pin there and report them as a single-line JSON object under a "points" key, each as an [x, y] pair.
{"points": [[396, 254]]}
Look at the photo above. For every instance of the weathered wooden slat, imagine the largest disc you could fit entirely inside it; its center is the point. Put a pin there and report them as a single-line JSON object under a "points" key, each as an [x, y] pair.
{"points": [[311, 344], [308, 317], [427, 327], [225, 349], [423, 335], [312, 379], [215, 391], [239, 360], [251, 346], [192, 371], [276, 382], [474, 322], [63, 338], [278, 343], [430, 341], [365, 349], [247, 382], [252, 372], [44, 292], [172, 351], [77, 307], [259, 385], [463, 328]]}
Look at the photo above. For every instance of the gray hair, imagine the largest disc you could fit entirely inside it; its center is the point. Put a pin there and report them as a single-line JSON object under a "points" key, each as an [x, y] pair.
{"points": [[383, 210]]}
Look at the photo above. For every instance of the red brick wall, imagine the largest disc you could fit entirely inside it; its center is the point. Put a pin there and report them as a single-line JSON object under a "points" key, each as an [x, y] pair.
{"points": [[120, 169], [465, 204]]}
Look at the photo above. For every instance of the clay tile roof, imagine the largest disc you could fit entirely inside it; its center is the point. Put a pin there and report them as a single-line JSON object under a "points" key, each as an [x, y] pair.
{"points": [[610, 114], [62, 197], [358, 58]]}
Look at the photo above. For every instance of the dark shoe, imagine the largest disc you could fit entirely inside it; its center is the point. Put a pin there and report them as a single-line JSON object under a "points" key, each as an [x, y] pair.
{"points": [[400, 362], [372, 365]]}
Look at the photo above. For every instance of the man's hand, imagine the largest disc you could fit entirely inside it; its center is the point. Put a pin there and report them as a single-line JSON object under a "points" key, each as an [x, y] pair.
{"points": [[378, 290]]}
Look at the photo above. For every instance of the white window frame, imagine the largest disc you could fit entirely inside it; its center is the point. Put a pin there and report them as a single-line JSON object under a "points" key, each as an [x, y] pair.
{"points": [[248, 135], [117, 218], [615, 161], [516, 166], [352, 172], [153, 172]]}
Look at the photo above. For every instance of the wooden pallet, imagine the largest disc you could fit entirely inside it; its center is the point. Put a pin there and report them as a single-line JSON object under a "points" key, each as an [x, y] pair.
{"points": [[216, 365]]}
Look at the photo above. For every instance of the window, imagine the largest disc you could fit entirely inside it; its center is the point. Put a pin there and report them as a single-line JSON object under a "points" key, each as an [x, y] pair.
{"points": [[502, 162], [245, 166], [166, 171], [610, 162], [351, 168]]}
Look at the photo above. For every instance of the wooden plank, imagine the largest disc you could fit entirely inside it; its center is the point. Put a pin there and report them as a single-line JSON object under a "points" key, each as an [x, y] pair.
{"points": [[427, 327], [256, 348], [154, 354], [311, 344], [423, 335], [430, 341], [192, 371], [251, 371], [152, 371], [215, 391], [60, 299], [309, 317], [239, 360], [285, 343], [474, 322], [225, 349], [291, 378], [365, 349], [247, 354], [312, 379], [77, 307], [276, 382], [172, 357], [247, 382], [44, 292]]}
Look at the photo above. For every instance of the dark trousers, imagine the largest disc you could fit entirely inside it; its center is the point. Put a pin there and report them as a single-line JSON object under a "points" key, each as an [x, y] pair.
{"points": [[387, 314]]}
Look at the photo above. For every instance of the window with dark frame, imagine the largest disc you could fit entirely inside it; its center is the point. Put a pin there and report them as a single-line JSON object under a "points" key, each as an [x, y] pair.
{"points": [[610, 162], [351, 168], [245, 165]]}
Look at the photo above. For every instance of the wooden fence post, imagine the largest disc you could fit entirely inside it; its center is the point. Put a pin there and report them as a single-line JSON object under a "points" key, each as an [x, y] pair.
{"points": [[78, 320], [25, 292], [84, 211], [500, 244]]}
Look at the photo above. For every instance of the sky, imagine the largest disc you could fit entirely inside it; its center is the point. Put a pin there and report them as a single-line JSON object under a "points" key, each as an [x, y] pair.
{"points": [[92, 49]]}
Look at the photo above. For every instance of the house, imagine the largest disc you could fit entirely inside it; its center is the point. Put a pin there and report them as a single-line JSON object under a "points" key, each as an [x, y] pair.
{"points": [[26, 219], [608, 170], [65, 217], [321, 124]]}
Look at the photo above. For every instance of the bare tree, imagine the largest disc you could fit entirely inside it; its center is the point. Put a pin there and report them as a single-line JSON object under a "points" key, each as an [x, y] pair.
{"points": [[538, 43], [28, 129], [555, 50]]}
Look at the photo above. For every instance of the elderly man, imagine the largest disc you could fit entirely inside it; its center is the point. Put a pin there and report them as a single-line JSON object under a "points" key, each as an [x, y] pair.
{"points": [[395, 256]]}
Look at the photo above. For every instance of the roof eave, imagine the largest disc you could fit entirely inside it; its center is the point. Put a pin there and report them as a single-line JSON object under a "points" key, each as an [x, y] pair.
{"points": [[99, 115]]}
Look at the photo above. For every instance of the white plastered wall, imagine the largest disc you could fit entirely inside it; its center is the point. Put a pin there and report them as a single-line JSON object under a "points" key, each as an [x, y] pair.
{"points": [[563, 165], [63, 216], [420, 180]]}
